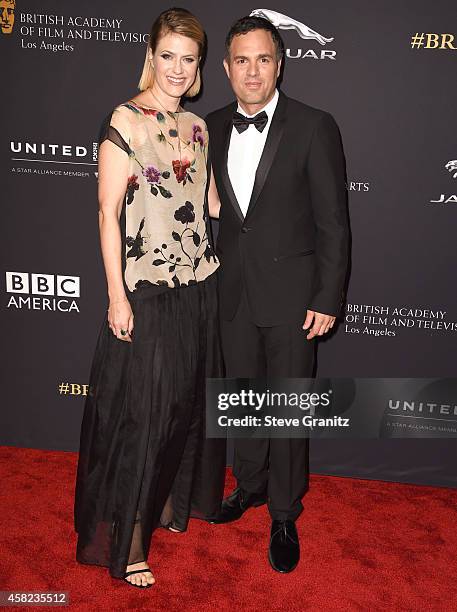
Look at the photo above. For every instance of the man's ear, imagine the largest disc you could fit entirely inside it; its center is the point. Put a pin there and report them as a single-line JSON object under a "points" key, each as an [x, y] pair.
{"points": [[226, 67], [279, 67]]}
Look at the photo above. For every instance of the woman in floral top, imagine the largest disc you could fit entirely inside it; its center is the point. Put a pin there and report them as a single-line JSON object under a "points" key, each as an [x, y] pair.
{"points": [[144, 461], [166, 241]]}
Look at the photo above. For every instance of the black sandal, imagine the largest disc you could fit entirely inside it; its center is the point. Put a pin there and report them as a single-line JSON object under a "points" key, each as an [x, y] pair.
{"points": [[144, 571]]}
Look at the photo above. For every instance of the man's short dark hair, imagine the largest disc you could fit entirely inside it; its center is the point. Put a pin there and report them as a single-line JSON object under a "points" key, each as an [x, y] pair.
{"points": [[248, 24]]}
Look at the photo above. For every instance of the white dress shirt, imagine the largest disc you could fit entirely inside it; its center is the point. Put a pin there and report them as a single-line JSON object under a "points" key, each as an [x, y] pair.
{"points": [[245, 151]]}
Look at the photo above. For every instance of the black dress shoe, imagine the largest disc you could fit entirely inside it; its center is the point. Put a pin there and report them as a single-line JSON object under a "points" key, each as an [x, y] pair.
{"points": [[236, 504], [284, 552]]}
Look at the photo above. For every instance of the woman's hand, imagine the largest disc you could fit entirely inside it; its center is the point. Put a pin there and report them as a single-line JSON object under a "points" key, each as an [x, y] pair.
{"points": [[120, 319]]}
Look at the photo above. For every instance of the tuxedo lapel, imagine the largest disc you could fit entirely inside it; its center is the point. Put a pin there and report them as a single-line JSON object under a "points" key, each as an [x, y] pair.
{"points": [[227, 131], [269, 151]]}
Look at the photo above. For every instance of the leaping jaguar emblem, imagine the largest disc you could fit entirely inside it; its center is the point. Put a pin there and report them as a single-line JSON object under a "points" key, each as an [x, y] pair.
{"points": [[283, 22], [452, 167]]}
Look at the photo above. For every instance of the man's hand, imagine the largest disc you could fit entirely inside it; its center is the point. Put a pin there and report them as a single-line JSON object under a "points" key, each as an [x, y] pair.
{"points": [[322, 323]]}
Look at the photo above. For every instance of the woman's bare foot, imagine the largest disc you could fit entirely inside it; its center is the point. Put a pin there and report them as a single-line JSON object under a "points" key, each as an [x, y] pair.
{"points": [[141, 578]]}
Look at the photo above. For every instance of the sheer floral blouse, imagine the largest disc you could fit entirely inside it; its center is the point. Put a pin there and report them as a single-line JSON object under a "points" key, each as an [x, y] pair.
{"points": [[164, 222]]}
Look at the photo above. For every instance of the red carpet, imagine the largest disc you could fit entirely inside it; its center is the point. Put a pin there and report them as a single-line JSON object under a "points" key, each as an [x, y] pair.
{"points": [[365, 546]]}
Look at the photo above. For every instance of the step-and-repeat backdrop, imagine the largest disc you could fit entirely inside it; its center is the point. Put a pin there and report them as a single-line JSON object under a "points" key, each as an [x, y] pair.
{"points": [[386, 71]]}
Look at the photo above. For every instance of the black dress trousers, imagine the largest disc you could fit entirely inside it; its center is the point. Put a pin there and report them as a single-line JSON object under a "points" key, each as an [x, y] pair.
{"points": [[279, 467]]}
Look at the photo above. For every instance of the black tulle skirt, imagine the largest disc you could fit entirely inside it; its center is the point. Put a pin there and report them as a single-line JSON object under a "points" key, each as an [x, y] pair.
{"points": [[144, 461]]}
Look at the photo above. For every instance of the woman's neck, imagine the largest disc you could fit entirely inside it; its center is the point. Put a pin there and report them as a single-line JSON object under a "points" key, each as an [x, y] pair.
{"points": [[168, 103]]}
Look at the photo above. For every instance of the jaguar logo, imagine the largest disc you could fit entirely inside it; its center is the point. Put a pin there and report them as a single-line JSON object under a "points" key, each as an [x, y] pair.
{"points": [[283, 22], [444, 198], [451, 166]]}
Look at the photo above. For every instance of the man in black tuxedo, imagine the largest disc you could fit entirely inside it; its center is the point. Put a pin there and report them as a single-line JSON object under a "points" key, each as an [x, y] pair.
{"points": [[278, 188]]}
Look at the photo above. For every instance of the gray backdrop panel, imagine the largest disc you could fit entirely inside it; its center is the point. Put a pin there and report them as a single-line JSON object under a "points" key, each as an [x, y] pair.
{"points": [[395, 108]]}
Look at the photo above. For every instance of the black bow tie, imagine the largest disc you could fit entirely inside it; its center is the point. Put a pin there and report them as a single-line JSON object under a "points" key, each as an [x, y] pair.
{"points": [[242, 123]]}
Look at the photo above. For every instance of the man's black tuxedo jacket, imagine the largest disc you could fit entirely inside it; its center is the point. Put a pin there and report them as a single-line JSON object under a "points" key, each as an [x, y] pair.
{"points": [[291, 249]]}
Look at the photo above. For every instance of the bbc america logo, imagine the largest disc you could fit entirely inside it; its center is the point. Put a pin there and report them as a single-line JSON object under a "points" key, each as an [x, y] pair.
{"points": [[33, 291]]}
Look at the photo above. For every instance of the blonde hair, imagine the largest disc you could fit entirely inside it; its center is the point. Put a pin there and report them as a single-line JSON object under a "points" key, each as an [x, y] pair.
{"points": [[177, 21]]}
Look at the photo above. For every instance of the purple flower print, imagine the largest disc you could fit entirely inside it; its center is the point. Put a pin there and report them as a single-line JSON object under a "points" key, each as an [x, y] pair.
{"points": [[152, 174], [197, 134]]}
